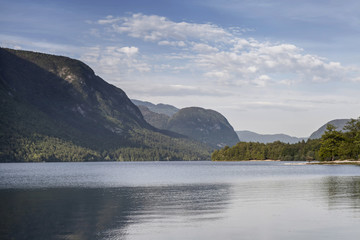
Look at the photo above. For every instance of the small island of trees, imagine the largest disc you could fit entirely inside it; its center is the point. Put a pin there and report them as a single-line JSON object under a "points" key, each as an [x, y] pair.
{"points": [[333, 145]]}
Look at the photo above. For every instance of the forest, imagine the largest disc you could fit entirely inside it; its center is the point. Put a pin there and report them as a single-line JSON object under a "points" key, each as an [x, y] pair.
{"points": [[333, 145]]}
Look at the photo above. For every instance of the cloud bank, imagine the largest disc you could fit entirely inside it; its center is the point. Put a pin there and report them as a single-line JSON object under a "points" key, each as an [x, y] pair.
{"points": [[224, 56]]}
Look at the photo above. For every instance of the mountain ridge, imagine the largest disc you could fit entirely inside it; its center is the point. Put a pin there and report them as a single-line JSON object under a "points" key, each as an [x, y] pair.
{"points": [[159, 108], [249, 136], [159, 120], [204, 125]]}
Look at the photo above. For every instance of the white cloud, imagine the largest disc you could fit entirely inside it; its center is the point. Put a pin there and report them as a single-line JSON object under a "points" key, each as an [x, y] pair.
{"points": [[203, 48], [356, 79], [259, 59], [216, 53], [262, 81], [129, 51], [157, 28], [172, 43], [108, 20], [173, 90], [221, 75], [114, 63]]}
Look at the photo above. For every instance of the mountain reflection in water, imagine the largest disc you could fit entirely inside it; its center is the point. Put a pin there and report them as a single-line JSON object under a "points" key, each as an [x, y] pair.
{"points": [[104, 213]]}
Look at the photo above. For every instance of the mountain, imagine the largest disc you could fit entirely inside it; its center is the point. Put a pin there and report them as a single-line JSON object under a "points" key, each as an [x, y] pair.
{"points": [[338, 123], [55, 108], [207, 126], [160, 108], [158, 120], [248, 136]]}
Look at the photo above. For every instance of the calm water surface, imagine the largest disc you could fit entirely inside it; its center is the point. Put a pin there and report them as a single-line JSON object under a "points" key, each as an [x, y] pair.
{"points": [[179, 200]]}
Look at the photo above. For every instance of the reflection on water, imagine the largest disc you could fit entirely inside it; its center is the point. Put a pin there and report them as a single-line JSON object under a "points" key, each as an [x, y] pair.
{"points": [[256, 210], [343, 192], [162, 201], [85, 213]]}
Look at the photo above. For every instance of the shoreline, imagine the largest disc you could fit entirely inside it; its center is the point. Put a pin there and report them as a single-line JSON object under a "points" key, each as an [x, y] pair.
{"points": [[267, 160], [336, 162]]}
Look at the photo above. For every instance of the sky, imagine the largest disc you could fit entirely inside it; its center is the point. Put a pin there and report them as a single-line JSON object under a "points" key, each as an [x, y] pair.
{"points": [[269, 66]]}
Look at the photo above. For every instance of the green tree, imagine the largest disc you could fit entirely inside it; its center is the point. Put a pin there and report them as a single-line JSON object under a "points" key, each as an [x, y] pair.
{"points": [[351, 147], [331, 141]]}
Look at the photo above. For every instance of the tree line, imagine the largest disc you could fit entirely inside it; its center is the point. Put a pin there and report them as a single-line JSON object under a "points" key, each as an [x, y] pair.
{"points": [[40, 148], [333, 145]]}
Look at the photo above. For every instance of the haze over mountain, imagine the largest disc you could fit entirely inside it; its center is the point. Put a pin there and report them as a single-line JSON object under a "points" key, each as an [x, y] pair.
{"points": [[248, 136], [207, 126], [55, 108], [160, 108], [158, 119], [338, 123]]}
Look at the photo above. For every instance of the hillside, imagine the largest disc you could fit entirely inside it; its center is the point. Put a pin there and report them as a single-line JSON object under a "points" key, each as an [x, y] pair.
{"points": [[248, 136], [160, 108], [207, 126], [56, 109], [338, 123]]}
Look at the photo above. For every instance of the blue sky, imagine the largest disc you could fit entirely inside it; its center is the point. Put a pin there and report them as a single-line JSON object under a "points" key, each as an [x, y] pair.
{"points": [[270, 66]]}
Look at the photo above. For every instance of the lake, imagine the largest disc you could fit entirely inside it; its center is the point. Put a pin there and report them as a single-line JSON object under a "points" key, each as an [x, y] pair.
{"points": [[179, 200]]}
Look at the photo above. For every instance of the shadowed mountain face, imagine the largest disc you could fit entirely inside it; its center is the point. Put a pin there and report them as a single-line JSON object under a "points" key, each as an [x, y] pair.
{"points": [[338, 123], [66, 88], [56, 108]]}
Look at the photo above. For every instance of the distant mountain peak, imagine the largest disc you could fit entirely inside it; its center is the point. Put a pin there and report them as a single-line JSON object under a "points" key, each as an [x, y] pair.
{"points": [[248, 136], [338, 123], [204, 125], [160, 108]]}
